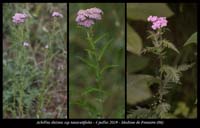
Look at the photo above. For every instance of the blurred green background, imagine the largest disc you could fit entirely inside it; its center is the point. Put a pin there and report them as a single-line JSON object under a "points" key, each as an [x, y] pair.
{"points": [[182, 22], [81, 77]]}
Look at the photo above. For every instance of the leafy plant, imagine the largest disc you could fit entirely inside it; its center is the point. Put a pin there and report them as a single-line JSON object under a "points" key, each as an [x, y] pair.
{"points": [[95, 63], [165, 79], [139, 12], [29, 62]]}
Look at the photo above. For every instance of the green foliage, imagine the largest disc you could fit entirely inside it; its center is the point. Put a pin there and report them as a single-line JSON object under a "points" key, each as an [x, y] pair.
{"points": [[142, 113], [148, 98], [165, 94], [159, 45], [170, 73], [182, 109], [93, 92], [138, 88], [154, 50], [107, 67], [192, 39], [173, 74], [134, 42], [162, 110], [185, 67], [135, 66], [140, 11], [169, 45], [102, 51], [90, 64], [93, 61], [34, 75]]}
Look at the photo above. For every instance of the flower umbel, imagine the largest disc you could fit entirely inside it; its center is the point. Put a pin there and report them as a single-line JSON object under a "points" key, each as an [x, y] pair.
{"points": [[19, 18], [57, 14], [158, 22], [88, 17]]}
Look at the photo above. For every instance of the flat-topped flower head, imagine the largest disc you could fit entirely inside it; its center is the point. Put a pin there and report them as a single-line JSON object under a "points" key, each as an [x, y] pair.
{"points": [[152, 18], [19, 18], [95, 10], [88, 17], [86, 23], [57, 14], [157, 22]]}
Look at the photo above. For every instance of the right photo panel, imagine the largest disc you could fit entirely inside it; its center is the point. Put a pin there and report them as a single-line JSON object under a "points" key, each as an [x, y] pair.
{"points": [[97, 60], [161, 60]]}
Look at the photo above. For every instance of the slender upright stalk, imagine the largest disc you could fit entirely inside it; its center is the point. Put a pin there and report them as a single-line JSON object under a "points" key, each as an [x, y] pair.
{"points": [[21, 83], [97, 71]]}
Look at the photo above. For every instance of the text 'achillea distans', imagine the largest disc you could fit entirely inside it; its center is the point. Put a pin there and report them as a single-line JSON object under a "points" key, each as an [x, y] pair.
{"points": [[19, 18], [87, 17], [158, 22]]}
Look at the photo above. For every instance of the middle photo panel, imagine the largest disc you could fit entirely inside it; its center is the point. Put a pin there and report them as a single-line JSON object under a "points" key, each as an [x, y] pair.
{"points": [[97, 60]]}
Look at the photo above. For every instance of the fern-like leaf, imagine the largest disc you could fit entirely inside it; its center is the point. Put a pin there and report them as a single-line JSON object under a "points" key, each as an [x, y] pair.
{"points": [[170, 73], [162, 109], [142, 113], [173, 74], [149, 49], [170, 45], [152, 35], [185, 67]]}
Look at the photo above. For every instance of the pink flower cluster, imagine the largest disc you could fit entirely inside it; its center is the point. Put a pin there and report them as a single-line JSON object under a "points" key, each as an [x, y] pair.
{"points": [[158, 22], [57, 14], [19, 18], [87, 17]]}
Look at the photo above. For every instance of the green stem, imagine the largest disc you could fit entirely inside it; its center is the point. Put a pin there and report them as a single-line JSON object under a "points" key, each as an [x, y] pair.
{"points": [[162, 85], [97, 72], [22, 82], [161, 65], [158, 40]]}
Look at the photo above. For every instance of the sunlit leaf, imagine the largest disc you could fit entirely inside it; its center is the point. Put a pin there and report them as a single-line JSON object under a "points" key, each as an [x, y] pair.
{"points": [[142, 113], [185, 67], [140, 11], [163, 109], [134, 42], [138, 88], [171, 73], [182, 109], [192, 39]]}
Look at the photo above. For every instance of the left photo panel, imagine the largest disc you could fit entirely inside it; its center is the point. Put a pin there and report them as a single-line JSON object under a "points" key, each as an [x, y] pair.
{"points": [[34, 60]]}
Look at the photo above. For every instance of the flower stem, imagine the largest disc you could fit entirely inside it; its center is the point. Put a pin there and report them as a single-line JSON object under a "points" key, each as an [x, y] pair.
{"points": [[97, 72]]}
